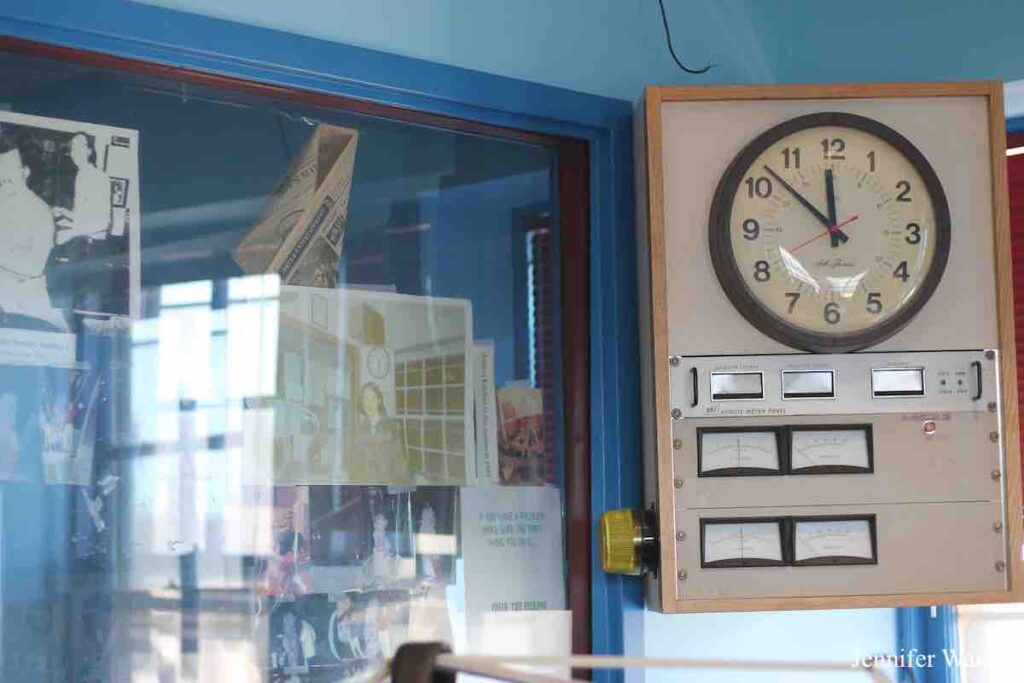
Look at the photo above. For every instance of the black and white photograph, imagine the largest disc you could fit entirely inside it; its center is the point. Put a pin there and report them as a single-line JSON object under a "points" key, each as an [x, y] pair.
{"points": [[329, 637], [367, 531], [69, 222]]}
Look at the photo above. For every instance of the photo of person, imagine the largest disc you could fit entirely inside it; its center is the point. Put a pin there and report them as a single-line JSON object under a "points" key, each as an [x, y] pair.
{"points": [[371, 388], [286, 572], [48, 423], [522, 454], [365, 528], [293, 640], [436, 537], [379, 450], [69, 213]]}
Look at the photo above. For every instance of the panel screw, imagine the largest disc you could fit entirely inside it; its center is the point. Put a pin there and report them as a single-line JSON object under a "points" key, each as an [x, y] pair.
{"points": [[677, 444], [992, 406], [678, 483], [1000, 566], [682, 575], [990, 355], [673, 361], [680, 535], [997, 527], [676, 413], [996, 474], [993, 436]]}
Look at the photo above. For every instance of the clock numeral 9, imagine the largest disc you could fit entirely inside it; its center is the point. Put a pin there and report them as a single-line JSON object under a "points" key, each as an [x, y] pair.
{"points": [[761, 272], [874, 302], [832, 315], [833, 148], [751, 230], [901, 271], [762, 187], [903, 187], [791, 157], [914, 236]]}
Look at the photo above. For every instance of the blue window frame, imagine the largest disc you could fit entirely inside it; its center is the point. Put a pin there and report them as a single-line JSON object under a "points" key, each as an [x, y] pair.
{"points": [[176, 39]]}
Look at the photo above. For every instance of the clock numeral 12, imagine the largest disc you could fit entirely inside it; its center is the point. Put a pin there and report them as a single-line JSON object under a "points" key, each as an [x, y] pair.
{"points": [[833, 148]]}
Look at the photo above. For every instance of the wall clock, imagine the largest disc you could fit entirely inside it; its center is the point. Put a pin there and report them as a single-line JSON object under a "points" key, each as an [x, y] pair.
{"points": [[829, 232], [378, 362]]}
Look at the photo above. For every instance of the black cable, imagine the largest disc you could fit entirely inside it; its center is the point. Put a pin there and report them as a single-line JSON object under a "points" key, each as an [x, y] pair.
{"points": [[672, 50]]}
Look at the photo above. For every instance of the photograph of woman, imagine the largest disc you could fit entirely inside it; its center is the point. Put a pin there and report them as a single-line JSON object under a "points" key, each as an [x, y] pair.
{"points": [[378, 454]]}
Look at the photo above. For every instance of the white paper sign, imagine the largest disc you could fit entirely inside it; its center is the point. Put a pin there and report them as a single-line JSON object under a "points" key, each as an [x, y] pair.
{"points": [[513, 553], [485, 414]]}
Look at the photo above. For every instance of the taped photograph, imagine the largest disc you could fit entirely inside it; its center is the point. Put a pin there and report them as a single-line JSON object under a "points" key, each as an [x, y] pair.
{"points": [[371, 388], [48, 423], [69, 222]]}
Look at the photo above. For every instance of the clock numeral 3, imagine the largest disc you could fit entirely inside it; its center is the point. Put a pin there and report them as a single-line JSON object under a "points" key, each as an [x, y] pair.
{"points": [[762, 187], [832, 315], [914, 236], [761, 272]]}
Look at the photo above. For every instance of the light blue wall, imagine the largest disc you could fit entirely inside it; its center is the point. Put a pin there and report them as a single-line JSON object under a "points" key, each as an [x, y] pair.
{"points": [[615, 47], [606, 47]]}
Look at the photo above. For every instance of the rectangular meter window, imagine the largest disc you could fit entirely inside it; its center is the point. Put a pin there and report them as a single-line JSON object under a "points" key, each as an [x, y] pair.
{"points": [[746, 542], [841, 449], [897, 382], [825, 541], [739, 452], [736, 386]]}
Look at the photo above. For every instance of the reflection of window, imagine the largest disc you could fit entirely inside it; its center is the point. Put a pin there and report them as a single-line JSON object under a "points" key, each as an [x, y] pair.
{"points": [[990, 637], [430, 400]]}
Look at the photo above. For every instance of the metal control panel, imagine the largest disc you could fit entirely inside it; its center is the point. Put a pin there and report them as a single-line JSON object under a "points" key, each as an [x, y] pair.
{"points": [[795, 475]]}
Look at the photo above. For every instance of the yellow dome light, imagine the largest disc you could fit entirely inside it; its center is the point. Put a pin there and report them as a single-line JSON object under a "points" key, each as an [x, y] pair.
{"points": [[628, 541]]}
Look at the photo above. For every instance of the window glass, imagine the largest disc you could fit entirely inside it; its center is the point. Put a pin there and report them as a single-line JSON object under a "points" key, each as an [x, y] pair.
{"points": [[279, 383]]}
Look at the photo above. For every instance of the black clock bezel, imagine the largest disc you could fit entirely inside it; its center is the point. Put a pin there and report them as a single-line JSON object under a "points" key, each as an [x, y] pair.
{"points": [[735, 287]]}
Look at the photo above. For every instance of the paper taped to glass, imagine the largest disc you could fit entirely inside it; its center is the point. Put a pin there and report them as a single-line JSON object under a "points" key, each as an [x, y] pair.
{"points": [[300, 234]]}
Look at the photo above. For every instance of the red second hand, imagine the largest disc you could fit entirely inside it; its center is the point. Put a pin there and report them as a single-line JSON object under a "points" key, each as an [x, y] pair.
{"points": [[832, 228]]}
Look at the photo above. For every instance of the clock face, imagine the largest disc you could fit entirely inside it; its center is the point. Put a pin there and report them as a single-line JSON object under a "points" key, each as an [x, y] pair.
{"points": [[378, 362], [829, 232]]}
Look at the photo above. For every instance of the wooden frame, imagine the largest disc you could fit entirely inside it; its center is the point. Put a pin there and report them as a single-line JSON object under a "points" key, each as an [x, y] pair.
{"points": [[658, 441]]}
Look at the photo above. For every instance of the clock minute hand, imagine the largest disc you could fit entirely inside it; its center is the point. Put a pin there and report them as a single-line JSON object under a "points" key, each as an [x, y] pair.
{"points": [[822, 218]]}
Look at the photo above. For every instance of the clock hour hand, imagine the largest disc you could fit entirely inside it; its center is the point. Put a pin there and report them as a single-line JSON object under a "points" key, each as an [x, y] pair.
{"points": [[835, 234], [822, 218]]}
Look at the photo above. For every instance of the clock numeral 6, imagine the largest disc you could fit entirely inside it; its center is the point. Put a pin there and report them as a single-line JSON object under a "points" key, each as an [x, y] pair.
{"points": [[762, 187], [915, 233], [761, 272], [874, 302], [832, 315], [751, 229]]}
